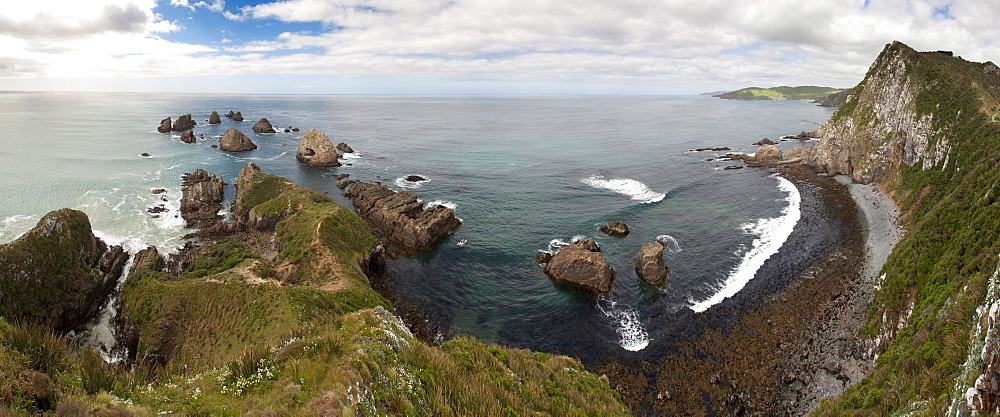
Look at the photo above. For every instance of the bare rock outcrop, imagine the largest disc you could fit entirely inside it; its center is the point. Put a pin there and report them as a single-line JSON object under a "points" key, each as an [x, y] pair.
{"points": [[202, 198], [767, 153], [230, 114], [649, 266], [399, 218], [764, 141], [164, 126], [316, 150], [238, 117], [183, 123], [263, 126], [235, 141], [802, 153], [188, 137], [582, 264], [344, 148], [615, 228], [214, 119]]}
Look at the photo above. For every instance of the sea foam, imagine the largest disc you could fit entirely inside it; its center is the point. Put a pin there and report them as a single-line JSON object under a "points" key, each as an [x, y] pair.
{"points": [[634, 336], [403, 183], [669, 242], [772, 233], [442, 203], [635, 190]]}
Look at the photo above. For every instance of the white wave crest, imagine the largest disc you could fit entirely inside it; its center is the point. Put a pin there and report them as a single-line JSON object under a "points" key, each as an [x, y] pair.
{"points": [[670, 243], [442, 203], [772, 233], [634, 336], [635, 190]]}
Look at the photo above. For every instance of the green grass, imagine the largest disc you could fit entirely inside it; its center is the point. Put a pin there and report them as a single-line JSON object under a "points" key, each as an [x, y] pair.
{"points": [[808, 92]]}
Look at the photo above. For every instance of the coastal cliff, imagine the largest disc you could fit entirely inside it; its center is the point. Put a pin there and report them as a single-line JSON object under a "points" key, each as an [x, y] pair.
{"points": [[921, 126]]}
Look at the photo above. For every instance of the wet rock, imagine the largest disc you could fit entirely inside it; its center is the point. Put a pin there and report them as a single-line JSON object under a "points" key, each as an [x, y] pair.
{"points": [[188, 137], [582, 265], [145, 155], [235, 141], [344, 148], [164, 126], [316, 150], [401, 219], [414, 178], [615, 228], [344, 184], [156, 209], [764, 141], [183, 123], [295, 129], [723, 148], [649, 266], [238, 117], [543, 258], [201, 199], [342, 176], [214, 119], [160, 191], [263, 126], [732, 167]]}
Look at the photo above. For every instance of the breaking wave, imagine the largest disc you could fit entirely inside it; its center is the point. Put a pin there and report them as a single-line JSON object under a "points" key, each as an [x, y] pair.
{"points": [[635, 190]]}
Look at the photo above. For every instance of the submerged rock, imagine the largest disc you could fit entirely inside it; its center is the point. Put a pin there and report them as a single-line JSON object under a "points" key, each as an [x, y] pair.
{"points": [[188, 137], [264, 126], [235, 141], [164, 126], [615, 229], [316, 150], [202, 198], [401, 219], [344, 148], [649, 266], [582, 264], [214, 119], [183, 123]]}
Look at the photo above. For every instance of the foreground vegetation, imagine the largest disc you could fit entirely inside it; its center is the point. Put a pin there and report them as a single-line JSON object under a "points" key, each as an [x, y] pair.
{"points": [[297, 332]]}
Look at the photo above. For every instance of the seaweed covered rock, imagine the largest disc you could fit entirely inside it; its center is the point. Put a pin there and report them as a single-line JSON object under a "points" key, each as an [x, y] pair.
{"points": [[399, 218], [235, 141], [164, 126], [214, 119], [58, 273], [183, 123], [649, 266], [582, 264], [202, 199], [263, 126], [316, 150]]}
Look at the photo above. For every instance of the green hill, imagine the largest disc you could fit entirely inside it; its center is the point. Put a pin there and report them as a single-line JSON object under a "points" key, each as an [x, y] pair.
{"points": [[807, 92]]}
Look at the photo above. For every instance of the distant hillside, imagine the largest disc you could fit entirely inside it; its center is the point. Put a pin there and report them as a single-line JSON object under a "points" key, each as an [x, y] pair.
{"points": [[806, 92], [836, 99]]}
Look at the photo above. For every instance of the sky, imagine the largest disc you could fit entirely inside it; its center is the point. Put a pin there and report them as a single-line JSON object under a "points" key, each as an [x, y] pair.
{"points": [[471, 46]]}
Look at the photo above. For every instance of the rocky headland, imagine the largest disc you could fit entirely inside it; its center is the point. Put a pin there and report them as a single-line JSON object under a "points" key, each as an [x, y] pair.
{"points": [[399, 218]]}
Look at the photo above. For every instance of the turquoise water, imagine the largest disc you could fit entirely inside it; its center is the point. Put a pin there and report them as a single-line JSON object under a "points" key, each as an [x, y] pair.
{"points": [[524, 174]]}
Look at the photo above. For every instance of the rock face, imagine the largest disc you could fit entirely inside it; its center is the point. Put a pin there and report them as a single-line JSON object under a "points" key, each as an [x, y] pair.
{"points": [[883, 126], [188, 137], [800, 152], [235, 141], [58, 273], [344, 148], [615, 229], [767, 153], [582, 264], [834, 100], [399, 218], [183, 123], [649, 266], [264, 126], [202, 198], [238, 117], [764, 141], [543, 258], [214, 119], [230, 114], [164, 126], [316, 150]]}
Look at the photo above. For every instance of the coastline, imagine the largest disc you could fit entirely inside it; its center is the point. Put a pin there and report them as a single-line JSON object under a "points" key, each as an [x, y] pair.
{"points": [[799, 346]]}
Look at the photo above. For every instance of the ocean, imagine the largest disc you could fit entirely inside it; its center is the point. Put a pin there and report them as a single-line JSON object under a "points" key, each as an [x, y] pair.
{"points": [[524, 173]]}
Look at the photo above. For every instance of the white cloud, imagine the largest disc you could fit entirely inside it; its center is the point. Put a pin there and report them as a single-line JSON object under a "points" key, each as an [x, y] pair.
{"points": [[676, 42]]}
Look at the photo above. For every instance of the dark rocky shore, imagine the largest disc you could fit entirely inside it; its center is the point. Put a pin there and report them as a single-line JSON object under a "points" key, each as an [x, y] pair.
{"points": [[779, 346]]}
